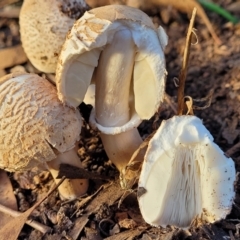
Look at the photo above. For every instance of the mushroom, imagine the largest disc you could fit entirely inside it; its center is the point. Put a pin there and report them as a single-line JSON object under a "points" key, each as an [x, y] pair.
{"points": [[35, 128], [119, 49], [43, 28], [185, 176]]}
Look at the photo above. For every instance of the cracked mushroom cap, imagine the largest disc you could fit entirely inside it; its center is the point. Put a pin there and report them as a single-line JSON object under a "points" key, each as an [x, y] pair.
{"points": [[43, 27], [34, 125], [185, 176], [87, 39]]}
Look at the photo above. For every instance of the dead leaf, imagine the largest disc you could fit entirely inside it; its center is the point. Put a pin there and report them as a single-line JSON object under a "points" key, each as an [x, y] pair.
{"points": [[7, 197], [11, 230], [12, 56], [9, 212]]}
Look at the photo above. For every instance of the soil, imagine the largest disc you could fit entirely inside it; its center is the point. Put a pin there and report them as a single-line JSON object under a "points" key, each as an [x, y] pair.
{"points": [[212, 68]]}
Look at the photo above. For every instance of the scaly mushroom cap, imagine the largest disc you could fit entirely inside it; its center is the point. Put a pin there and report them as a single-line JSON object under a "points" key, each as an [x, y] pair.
{"points": [[44, 25], [87, 39], [185, 176], [33, 121]]}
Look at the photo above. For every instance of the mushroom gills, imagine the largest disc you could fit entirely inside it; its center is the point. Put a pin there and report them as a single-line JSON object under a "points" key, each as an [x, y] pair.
{"points": [[144, 86], [79, 75], [185, 176], [180, 203]]}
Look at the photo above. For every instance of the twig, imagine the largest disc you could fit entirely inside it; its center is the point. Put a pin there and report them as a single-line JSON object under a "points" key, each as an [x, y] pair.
{"points": [[233, 149], [168, 100], [4, 3], [73, 172], [85, 201], [10, 12], [183, 73], [38, 226]]}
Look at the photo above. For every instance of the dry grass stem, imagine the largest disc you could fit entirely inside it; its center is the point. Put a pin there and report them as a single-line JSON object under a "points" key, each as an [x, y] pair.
{"points": [[183, 73]]}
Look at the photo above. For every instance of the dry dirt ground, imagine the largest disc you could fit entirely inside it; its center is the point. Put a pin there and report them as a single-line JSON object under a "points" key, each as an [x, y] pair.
{"points": [[211, 68]]}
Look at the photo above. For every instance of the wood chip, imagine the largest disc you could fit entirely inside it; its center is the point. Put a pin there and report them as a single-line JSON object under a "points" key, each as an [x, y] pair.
{"points": [[127, 235], [79, 224], [109, 195]]}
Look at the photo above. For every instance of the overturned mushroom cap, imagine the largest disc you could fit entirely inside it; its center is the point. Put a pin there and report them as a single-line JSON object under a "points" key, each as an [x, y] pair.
{"points": [[185, 176], [33, 122], [43, 27], [89, 36]]}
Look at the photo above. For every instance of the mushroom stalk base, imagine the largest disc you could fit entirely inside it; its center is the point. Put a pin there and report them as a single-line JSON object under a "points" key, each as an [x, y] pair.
{"points": [[120, 147], [71, 188]]}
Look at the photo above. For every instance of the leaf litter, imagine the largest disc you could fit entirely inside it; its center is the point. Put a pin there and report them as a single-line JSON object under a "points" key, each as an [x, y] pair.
{"points": [[202, 54]]}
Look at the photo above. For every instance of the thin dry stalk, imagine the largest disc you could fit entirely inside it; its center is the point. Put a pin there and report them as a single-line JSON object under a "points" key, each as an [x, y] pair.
{"points": [[233, 149], [169, 101], [183, 73]]}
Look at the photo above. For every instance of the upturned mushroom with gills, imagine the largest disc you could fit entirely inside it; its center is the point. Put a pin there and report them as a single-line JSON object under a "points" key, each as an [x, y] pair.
{"points": [[118, 49], [185, 177], [36, 128], [44, 25]]}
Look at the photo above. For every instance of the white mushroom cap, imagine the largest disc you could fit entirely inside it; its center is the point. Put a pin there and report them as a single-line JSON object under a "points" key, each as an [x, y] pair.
{"points": [[118, 49], [185, 176], [88, 38], [33, 122], [44, 25]]}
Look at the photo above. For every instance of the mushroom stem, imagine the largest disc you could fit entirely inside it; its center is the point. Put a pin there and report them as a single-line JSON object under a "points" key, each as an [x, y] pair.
{"points": [[114, 74], [113, 97], [70, 188], [120, 147]]}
